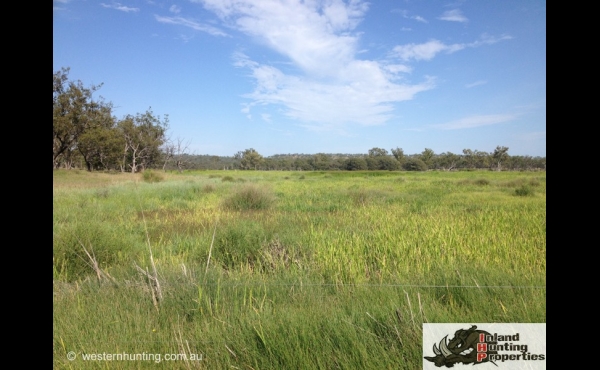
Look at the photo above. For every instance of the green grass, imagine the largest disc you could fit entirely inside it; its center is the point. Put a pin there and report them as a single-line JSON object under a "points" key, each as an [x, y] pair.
{"points": [[250, 197], [152, 176], [338, 270]]}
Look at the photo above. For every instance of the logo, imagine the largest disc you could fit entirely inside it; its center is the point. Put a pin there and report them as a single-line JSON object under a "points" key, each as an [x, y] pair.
{"points": [[521, 345], [467, 347]]}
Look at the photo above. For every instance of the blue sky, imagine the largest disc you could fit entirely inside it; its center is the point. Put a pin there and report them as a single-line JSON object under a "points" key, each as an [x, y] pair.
{"points": [[330, 76]]}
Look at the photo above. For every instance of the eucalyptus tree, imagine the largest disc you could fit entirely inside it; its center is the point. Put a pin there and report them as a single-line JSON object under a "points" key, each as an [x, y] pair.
{"points": [[355, 164], [379, 159], [427, 157], [398, 153], [74, 112], [448, 161], [377, 152], [469, 158], [143, 136], [249, 158], [500, 155]]}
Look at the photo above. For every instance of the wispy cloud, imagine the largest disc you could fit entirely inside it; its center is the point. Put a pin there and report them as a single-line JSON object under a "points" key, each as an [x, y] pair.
{"points": [[486, 39], [476, 121], [332, 87], [404, 13], [424, 51], [185, 38], [57, 4], [454, 15], [120, 7], [476, 83], [364, 97], [430, 49], [266, 117], [175, 9], [191, 24], [395, 68]]}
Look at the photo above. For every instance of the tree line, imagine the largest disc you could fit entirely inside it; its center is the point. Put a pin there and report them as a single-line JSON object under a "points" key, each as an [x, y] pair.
{"points": [[394, 160], [87, 135], [250, 159]]}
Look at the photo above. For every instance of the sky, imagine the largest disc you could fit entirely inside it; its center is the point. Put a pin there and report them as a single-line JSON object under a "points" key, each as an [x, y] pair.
{"points": [[317, 76]]}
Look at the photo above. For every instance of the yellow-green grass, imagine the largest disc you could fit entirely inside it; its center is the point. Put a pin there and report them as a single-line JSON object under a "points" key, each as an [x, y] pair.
{"points": [[336, 267]]}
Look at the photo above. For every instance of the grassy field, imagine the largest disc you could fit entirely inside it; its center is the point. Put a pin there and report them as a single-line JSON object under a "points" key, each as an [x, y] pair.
{"points": [[288, 270]]}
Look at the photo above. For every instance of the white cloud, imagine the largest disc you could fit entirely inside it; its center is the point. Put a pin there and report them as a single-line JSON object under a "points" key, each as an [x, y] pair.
{"points": [[430, 49], [424, 51], [120, 7], [476, 83], [395, 68], [313, 34], [454, 15], [486, 39], [191, 24], [333, 87], [175, 9], [404, 14], [366, 98], [476, 121]]}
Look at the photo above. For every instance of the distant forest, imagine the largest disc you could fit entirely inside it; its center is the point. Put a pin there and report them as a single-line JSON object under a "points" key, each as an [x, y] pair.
{"points": [[87, 135], [376, 159]]}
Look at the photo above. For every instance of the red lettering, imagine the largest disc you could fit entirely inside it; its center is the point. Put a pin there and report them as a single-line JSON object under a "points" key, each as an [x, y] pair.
{"points": [[482, 337], [481, 356], [481, 347]]}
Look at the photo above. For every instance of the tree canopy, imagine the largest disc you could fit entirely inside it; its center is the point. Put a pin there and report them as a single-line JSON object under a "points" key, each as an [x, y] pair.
{"points": [[249, 159], [85, 130]]}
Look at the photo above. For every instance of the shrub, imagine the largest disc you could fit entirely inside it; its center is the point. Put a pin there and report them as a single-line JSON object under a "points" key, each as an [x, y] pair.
{"points": [[355, 164], [481, 182], [208, 188], [524, 191], [239, 244], [227, 178], [415, 164], [250, 197], [152, 176]]}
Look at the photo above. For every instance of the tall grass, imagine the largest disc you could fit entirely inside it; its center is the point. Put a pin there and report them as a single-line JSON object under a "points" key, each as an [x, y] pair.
{"points": [[152, 176], [250, 197], [336, 271]]}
